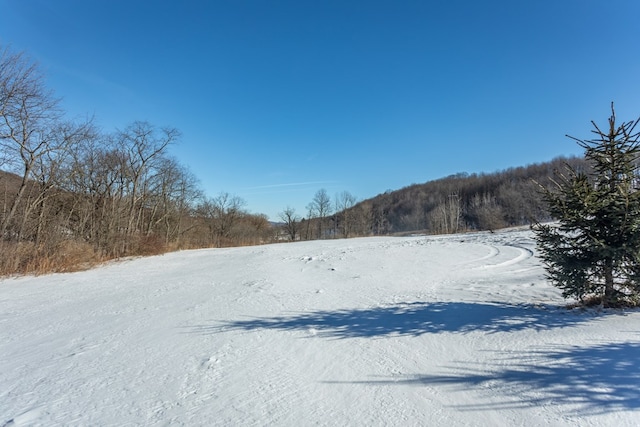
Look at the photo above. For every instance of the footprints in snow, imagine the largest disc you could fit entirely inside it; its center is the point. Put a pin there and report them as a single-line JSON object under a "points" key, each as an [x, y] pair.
{"points": [[201, 381], [209, 362], [259, 285], [310, 259]]}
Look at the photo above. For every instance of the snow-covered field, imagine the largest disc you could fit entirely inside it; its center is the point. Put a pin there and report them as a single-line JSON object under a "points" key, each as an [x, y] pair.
{"points": [[454, 330]]}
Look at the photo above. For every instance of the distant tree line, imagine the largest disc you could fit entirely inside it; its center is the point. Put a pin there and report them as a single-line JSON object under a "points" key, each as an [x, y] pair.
{"points": [[457, 203], [467, 201], [340, 217]]}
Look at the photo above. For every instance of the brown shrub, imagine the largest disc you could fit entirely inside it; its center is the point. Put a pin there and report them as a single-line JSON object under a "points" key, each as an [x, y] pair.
{"points": [[71, 255]]}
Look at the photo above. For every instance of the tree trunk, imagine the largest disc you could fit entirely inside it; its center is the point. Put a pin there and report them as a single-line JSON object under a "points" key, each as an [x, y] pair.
{"points": [[609, 290], [16, 201]]}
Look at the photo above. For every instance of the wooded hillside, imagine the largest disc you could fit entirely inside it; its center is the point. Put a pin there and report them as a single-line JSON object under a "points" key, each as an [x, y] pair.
{"points": [[465, 202]]}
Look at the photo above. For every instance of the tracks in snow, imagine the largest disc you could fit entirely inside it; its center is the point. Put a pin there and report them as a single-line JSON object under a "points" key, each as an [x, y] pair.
{"points": [[501, 253]]}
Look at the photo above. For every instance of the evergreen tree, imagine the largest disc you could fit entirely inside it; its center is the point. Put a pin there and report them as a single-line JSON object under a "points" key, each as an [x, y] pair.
{"points": [[593, 254]]}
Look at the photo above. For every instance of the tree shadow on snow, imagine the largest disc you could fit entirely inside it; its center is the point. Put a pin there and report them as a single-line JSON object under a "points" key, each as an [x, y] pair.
{"points": [[413, 319], [593, 380]]}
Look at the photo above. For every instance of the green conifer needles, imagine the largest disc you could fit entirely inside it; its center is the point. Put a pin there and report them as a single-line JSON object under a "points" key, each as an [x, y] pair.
{"points": [[593, 252]]}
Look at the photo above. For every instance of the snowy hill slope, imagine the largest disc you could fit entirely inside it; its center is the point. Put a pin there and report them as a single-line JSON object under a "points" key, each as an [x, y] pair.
{"points": [[443, 330]]}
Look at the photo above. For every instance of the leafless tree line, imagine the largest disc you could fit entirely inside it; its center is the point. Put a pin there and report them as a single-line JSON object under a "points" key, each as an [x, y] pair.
{"points": [[341, 217], [116, 193], [457, 203]]}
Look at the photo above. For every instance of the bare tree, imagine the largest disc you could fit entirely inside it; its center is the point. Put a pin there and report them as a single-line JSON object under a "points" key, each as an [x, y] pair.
{"points": [[320, 207], [486, 212], [51, 174], [291, 222], [446, 217], [143, 145], [251, 229], [97, 180], [221, 214], [28, 113], [362, 218], [172, 196], [345, 214], [310, 228]]}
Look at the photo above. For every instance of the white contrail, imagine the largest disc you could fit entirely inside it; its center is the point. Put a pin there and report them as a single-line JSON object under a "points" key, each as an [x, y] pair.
{"points": [[292, 184]]}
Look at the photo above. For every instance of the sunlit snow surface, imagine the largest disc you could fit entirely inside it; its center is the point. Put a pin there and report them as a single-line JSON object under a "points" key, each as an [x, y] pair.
{"points": [[454, 330]]}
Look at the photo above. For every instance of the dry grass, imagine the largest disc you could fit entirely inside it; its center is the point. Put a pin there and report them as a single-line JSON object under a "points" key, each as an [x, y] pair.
{"points": [[148, 245], [67, 255], [64, 256]]}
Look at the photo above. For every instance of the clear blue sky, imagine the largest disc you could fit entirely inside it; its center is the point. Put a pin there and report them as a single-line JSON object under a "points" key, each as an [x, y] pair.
{"points": [[277, 99]]}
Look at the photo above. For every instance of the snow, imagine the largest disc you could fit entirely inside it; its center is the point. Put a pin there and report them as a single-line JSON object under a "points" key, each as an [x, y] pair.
{"points": [[436, 330]]}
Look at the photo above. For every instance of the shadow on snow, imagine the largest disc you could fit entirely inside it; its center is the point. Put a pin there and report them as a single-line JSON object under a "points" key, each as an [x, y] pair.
{"points": [[413, 319], [594, 380]]}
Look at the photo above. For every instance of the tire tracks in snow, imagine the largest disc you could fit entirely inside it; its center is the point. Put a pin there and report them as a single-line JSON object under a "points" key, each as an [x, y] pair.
{"points": [[523, 254], [500, 253]]}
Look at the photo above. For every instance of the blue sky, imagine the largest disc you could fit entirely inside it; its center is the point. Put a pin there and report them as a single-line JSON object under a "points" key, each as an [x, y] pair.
{"points": [[277, 99]]}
